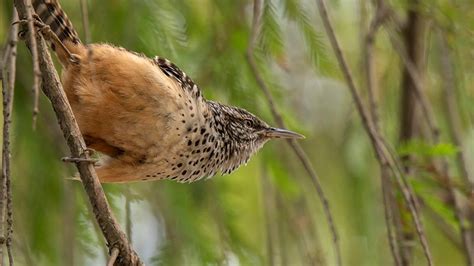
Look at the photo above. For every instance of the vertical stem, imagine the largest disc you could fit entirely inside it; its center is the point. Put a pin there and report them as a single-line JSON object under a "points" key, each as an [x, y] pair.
{"points": [[69, 218], [8, 84], [414, 45], [379, 144], [297, 149], [267, 211], [85, 20], [449, 86]]}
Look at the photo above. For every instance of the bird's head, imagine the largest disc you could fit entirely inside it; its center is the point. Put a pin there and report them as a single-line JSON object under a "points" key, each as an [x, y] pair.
{"points": [[244, 133], [247, 128]]}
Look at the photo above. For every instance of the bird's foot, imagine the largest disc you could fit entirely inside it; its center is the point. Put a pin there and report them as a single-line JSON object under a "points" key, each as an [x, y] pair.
{"points": [[47, 33]]}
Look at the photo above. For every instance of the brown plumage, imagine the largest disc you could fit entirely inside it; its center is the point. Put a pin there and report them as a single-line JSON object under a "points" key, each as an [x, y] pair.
{"points": [[148, 116]]}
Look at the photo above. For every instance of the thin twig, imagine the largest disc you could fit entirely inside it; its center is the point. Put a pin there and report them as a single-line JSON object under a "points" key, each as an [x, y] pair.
{"points": [[447, 74], [52, 88], [34, 53], [268, 207], [8, 85], [389, 219], [453, 117], [443, 224], [379, 144], [279, 121], [113, 257], [85, 20], [378, 19], [410, 67], [128, 214]]}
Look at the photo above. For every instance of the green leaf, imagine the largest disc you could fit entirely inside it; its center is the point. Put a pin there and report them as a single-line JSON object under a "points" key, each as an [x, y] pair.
{"points": [[295, 12], [424, 149], [271, 40]]}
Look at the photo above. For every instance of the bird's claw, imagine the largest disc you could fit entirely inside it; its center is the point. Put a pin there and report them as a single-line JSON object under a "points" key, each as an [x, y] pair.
{"points": [[37, 23]]}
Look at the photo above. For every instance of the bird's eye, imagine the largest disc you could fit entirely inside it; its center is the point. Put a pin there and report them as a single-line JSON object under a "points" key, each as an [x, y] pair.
{"points": [[248, 123]]}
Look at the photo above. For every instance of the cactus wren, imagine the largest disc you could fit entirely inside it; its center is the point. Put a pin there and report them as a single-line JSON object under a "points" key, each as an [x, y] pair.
{"points": [[147, 115]]}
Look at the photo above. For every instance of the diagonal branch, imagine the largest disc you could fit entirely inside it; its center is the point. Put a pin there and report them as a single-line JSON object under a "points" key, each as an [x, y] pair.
{"points": [[279, 121], [382, 151], [386, 184], [447, 74], [52, 87]]}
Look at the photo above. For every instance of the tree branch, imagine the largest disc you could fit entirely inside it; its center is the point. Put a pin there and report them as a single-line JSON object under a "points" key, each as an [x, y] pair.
{"points": [[279, 121], [85, 20], [416, 82], [372, 87], [8, 85], [378, 142], [52, 87], [34, 53]]}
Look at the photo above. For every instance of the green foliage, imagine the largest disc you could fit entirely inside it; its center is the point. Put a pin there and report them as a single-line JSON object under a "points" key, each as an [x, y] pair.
{"points": [[425, 149], [297, 13], [271, 33]]}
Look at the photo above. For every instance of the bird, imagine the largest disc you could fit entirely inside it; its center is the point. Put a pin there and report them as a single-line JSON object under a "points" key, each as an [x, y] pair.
{"points": [[149, 119]]}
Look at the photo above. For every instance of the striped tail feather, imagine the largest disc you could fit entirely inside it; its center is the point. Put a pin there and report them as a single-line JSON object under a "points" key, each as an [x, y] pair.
{"points": [[52, 14]]}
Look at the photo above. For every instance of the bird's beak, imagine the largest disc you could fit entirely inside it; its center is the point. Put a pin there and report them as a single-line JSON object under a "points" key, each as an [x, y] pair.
{"points": [[281, 133]]}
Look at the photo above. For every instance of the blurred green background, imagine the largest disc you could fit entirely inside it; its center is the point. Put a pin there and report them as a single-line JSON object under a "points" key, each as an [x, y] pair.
{"points": [[265, 213]]}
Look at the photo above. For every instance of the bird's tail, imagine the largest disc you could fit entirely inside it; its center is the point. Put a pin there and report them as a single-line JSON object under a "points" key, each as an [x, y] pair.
{"points": [[52, 14]]}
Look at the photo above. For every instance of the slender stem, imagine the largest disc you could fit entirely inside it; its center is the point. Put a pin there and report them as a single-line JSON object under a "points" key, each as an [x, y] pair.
{"points": [[34, 54], [293, 144], [8, 85], [85, 20], [379, 144], [449, 85], [267, 213]]}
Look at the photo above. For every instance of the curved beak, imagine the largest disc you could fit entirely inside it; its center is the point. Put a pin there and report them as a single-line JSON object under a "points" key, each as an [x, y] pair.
{"points": [[281, 133]]}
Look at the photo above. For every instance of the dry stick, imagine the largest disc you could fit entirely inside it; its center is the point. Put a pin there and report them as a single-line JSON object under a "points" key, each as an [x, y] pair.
{"points": [[453, 119], [85, 20], [52, 87], [428, 113], [426, 107], [267, 213], [447, 74], [8, 84], [34, 54], [444, 224], [389, 219], [293, 144], [379, 143], [380, 15], [454, 127]]}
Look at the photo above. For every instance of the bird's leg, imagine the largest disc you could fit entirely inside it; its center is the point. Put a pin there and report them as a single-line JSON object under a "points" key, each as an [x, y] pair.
{"points": [[48, 34]]}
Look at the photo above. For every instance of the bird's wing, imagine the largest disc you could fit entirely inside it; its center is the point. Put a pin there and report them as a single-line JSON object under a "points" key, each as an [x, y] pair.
{"points": [[173, 71]]}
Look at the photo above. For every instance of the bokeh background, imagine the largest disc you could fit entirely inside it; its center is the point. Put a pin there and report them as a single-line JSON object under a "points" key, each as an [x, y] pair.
{"points": [[267, 212]]}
